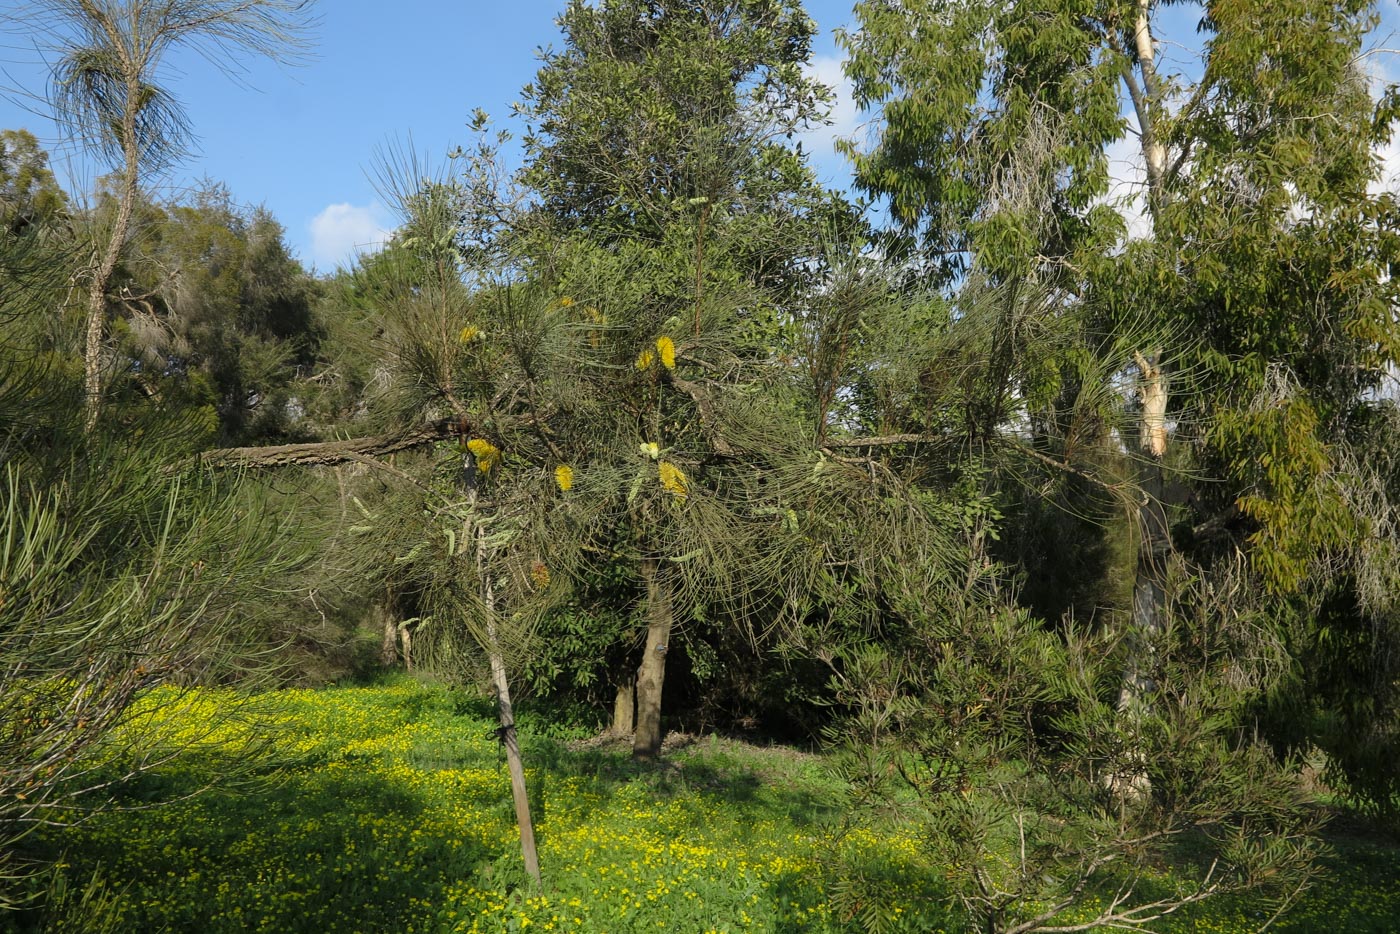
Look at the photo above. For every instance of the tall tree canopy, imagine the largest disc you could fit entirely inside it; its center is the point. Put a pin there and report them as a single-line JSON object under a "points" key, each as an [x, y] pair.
{"points": [[1267, 278]]}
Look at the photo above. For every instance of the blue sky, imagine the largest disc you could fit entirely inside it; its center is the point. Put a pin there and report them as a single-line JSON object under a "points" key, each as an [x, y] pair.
{"points": [[302, 140]]}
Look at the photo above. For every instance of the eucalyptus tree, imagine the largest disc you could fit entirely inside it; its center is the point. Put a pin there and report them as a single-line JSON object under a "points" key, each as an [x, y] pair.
{"points": [[218, 315], [107, 90], [29, 193], [1265, 279], [34, 227]]}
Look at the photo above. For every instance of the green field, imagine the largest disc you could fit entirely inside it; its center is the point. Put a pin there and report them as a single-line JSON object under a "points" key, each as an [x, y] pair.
{"points": [[391, 812]]}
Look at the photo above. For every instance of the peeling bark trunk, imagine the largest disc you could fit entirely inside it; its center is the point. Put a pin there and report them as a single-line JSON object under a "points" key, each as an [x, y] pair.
{"points": [[102, 276], [651, 674], [406, 638], [1153, 390], [1154, 548], [624, 719], [1149, 582]]}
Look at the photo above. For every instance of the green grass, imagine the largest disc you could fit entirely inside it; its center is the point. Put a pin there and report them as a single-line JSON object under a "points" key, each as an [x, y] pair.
{"points": [[396, 816]]}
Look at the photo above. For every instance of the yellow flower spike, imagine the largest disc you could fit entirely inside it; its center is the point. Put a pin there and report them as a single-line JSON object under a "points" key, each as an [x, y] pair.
{"points": [[650, 449], [488, 456], [645, 359], [539, 573], [564, 476], [565, 301], [469, 334], [674, 480], [666, 349], [597, 317]]}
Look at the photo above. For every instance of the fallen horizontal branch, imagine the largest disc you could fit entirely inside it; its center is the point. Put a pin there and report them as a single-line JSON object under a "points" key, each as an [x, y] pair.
{"points": [[329, 453], [879, 441]]}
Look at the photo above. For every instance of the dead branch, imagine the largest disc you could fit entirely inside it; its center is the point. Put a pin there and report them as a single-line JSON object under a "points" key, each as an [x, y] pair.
{"points": [[327, 453]]}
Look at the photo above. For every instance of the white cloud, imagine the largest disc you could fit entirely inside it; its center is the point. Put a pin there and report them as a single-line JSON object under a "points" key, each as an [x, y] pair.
{"points": [[844, 119], [1380, 72], [343, 231], [1127, 185]]}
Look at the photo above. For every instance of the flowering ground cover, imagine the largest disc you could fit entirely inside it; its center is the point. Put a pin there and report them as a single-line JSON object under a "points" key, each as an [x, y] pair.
{"points": [[390, 811]]}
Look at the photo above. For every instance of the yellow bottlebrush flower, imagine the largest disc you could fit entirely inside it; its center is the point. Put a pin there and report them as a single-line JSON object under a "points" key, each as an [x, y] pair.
{"points": [[488, 456], [666, 349], [469, 334], [650, 449], [595, 337], [564, 476], [539, 573], [674, 479], [565, 301], [645, 359]]}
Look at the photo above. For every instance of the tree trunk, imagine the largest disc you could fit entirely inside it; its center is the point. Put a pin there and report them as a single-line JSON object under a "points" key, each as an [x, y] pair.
{"points": [[506, 733], [1149, 580], [389, 644], [406, 636], [102, 275], [651, 674], [1149, 585], [624, 719]]}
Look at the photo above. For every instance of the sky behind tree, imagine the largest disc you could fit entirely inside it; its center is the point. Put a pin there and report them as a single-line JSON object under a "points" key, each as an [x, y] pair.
{"points": [[302, 140]]}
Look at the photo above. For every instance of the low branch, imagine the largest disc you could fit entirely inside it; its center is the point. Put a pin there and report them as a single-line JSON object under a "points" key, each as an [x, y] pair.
{"points": [[328, 453], [706, 406], [880, 441]]}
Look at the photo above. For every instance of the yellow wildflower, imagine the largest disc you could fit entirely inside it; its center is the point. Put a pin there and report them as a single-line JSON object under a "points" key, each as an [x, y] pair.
{"points": [[565, 301], [488, 456], [469, 334], [650, 449], [645, 359], [674, 480], [666, 349], [564, 476]]}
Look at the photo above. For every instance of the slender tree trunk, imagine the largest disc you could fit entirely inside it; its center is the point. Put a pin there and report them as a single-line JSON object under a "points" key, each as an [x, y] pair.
{"points": [[1149, 578], [1149, 593], [1154, 150], [651, 674], [1149, 583], [389, 644], [406, 637], [507, 714], [624, 719], [102, 275]]}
